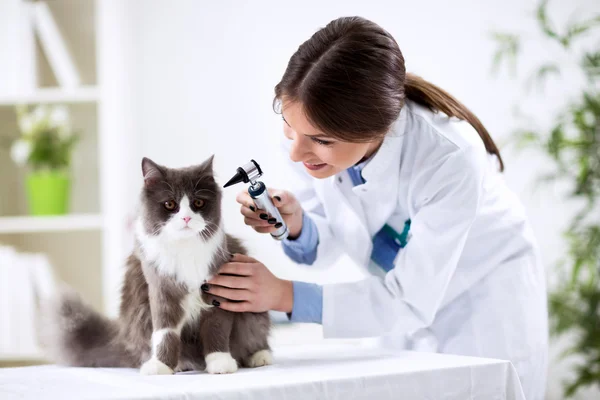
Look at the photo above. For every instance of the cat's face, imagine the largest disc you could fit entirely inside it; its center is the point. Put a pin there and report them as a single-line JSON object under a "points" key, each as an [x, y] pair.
{"points": [[180, 203]]}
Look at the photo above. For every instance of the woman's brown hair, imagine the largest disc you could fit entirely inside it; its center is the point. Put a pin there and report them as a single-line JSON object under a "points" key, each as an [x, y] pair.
{"points": [[351, 81]]}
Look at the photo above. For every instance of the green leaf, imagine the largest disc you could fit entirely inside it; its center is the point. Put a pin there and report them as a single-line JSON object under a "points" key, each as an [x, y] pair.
{"points": [[591, 101], [582, 185], [507, 49], [591, 64], [542, 19], [525, 139], [573, 30], [576, 269], [576, 29], [541, 75], [556, 141]]}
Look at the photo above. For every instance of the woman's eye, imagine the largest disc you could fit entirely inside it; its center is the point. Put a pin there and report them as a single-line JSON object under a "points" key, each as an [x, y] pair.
{"points": [[169, 205], [322, 142], [198, 203]]}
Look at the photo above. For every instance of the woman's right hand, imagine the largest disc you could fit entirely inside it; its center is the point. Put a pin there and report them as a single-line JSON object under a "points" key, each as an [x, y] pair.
{"points": [[286, 203]]}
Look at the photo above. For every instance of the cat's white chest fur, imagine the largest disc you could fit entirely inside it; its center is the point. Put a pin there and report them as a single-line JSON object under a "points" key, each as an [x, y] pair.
{"points": [[192, 305], [186, 259]]}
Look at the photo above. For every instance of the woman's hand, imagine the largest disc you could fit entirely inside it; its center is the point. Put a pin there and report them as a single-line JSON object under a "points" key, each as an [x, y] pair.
{"points": [[286, 203], [252, 288]]}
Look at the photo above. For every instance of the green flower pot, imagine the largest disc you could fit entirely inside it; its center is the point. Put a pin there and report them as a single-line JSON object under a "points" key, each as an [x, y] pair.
{"points": [[48, 192]]}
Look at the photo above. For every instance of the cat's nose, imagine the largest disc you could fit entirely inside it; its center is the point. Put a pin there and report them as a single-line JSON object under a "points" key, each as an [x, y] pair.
{"points": [[187, 219]]}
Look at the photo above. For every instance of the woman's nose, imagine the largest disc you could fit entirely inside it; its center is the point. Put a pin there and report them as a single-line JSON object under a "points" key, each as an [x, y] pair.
{"points": [[297, 151]]}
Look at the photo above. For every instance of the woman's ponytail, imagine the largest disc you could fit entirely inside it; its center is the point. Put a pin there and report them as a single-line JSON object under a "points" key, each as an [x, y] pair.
{"points": [[429, 95]]}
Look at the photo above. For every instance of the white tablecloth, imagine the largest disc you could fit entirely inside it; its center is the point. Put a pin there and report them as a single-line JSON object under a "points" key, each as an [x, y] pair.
{"points": [[338, 371]]}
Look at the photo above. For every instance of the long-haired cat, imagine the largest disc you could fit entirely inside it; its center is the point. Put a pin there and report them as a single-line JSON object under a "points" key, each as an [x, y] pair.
{"points": [[166, 322]]}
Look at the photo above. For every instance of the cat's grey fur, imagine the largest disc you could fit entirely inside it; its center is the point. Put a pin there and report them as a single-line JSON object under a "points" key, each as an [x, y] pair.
{"points": [[166, 322]]}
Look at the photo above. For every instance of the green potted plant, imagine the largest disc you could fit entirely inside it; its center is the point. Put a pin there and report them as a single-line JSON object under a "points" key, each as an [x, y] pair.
{"points": [[572, 143], [44, 147]]}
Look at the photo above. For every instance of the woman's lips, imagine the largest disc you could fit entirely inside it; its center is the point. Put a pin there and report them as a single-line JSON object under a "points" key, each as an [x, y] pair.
{"points": [[314, 167]]}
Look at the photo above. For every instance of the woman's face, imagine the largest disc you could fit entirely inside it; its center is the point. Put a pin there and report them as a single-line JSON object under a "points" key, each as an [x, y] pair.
{"points": [[321, 155]]}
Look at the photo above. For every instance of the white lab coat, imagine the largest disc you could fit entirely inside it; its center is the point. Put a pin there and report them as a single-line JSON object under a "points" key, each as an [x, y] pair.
{"points": [[468, 282]]}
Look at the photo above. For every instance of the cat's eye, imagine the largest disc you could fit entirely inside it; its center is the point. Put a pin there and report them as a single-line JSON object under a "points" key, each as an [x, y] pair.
{"points": [[198, 203], [169, 205]]}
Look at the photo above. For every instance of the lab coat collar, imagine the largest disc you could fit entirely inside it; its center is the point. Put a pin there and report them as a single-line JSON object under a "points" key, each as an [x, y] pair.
{"points": [[384, 163]]}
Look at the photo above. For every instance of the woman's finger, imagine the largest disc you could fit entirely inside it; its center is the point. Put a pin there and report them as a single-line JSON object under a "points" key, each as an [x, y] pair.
{"points": [[256, 222], [244, 199], [243, 306], [236, 268], [264, 229], [256, 214], [284, 201], [243, 258], [248, 212], [230, 294], [263, 215], [231, 282]]}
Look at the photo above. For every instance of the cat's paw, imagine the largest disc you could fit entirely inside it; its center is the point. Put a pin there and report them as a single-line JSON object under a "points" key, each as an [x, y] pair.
{"points": [[220, 363], [260, 359], [155, 367]]}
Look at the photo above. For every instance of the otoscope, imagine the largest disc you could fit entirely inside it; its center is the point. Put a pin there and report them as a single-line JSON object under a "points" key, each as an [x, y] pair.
{"points": [[258, 191]]}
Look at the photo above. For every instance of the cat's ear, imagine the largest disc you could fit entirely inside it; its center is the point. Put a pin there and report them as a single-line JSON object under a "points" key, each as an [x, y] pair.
{"points": [[208, 164], [153, 173]]}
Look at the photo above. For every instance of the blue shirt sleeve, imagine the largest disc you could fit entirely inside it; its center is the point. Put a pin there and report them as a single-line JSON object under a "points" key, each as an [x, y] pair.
{"points": [[303, 249], [308, 303]]}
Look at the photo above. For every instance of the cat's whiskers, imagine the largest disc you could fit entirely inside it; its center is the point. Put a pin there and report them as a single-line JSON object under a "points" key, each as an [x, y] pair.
{"points": [[203, 235], [212, 229], [156, 230], [221, 251], [215, 227]]}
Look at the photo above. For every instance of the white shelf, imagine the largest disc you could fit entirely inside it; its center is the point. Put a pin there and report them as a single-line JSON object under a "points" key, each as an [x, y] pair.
{"points": [[34, 224], [83, 94]]}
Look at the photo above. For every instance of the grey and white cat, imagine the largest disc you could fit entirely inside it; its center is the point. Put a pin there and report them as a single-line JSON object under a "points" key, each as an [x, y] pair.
{"points": [[166, 322]]}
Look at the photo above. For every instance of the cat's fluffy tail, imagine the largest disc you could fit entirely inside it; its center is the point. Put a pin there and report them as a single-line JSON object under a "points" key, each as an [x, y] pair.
{"points": [[74, 334]]}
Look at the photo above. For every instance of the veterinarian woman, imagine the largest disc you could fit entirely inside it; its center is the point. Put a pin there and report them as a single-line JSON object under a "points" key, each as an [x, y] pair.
{"points": [[406, 181]]}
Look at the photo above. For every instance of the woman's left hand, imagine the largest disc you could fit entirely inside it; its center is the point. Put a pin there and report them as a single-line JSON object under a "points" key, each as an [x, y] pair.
{"points": [[253, 288]]}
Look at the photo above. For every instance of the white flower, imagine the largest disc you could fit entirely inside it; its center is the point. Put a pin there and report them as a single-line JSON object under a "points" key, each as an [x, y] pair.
{"points": [[59, 117], [40, 114], [20, 151], [26, 124]]}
